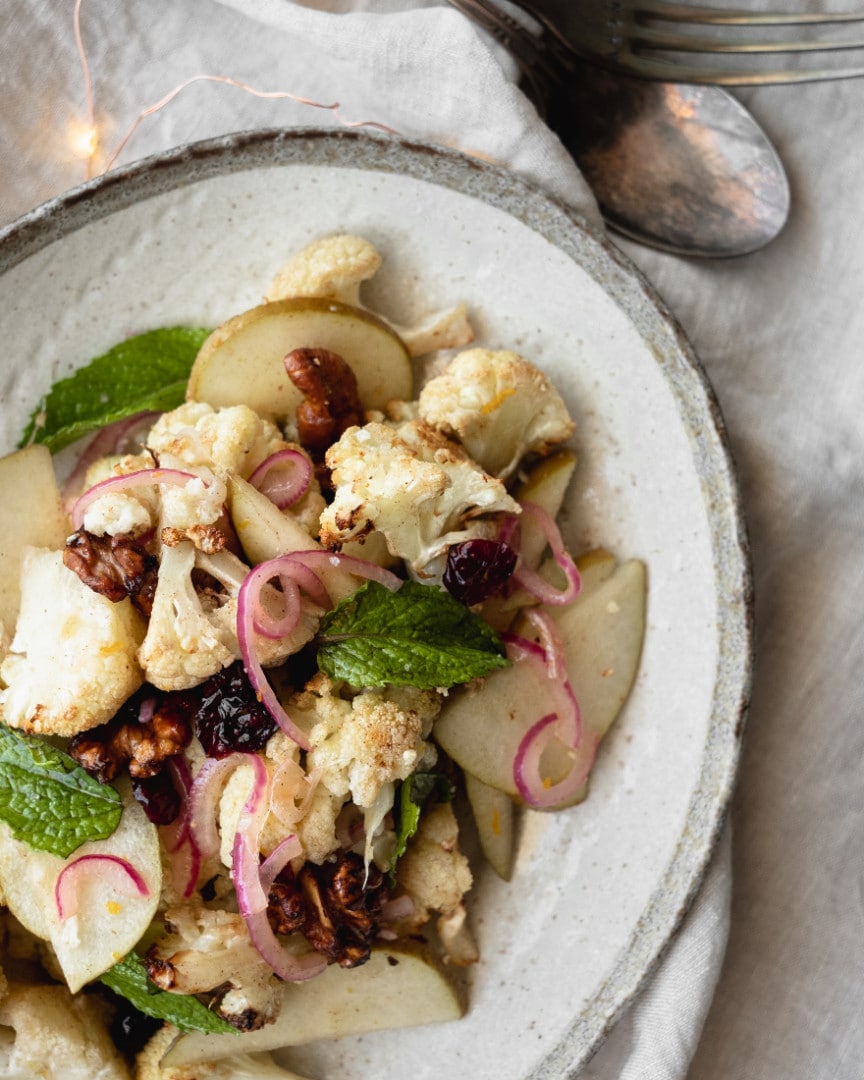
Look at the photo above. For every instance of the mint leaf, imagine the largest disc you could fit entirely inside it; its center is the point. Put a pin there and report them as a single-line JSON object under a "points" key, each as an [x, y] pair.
{"points": [[48, 800], [128, 978], [149, 371], [417, 636]]}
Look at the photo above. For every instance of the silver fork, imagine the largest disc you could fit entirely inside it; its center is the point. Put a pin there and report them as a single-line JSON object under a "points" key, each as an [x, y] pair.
{"points": [[652, 39]]}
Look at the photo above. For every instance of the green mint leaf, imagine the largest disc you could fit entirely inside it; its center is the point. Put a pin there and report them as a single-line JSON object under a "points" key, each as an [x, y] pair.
{"points": [[146, 372], [417, 636], [48, 800], [414, 793], [129, 979]]}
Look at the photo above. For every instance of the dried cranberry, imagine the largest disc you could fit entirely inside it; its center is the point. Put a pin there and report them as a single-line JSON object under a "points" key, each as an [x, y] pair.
{"points": [[158, 796], [229, 715], [478, 568]]}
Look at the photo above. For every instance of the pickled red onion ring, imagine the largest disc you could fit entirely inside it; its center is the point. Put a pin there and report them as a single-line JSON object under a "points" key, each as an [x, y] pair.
{"points": [[537, 790], [358, 567], [127, 482], [204, 800], [535, 583], [295, 572], [116, 438], [550, 642], [277, 860], [116, 874], [251, 620], [179, 838], [283, 477], [252, 896]]}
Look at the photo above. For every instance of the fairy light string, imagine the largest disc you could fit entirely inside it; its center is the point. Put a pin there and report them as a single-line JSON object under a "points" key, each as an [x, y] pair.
{"points": [[86, 138]]}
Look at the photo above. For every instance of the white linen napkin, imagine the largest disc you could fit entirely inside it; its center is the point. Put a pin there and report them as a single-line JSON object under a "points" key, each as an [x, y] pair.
{"points": [[419, 68]]}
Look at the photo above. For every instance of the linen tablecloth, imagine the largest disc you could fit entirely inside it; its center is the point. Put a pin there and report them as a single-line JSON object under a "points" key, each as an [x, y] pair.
{"points": [[772, 951]]}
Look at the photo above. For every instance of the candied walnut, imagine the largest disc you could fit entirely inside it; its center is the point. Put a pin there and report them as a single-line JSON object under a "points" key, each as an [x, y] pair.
{"points": [[128, 741], [114, 566], [335, 906], [332, 402]]}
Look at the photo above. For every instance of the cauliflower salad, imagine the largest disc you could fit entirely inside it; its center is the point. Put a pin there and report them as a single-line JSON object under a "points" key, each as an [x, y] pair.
{"points": [[280, 637]]}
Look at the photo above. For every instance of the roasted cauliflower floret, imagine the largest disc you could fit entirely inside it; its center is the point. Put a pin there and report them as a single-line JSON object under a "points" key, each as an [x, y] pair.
{"points": [[436, 875], [148, 1064], [120, 513], [186, 643], [192, 632], [363, 742], [499, 406], [234, 439], [55, 1035], [334, 268], [413, 485], [72, 662], [207, 949]]}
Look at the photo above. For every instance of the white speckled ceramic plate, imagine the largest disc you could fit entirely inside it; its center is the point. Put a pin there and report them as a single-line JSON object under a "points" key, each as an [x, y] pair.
{"points": [[193, 236]]}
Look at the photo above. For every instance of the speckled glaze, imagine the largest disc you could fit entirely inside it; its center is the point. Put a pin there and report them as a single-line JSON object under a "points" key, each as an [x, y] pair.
{"points": [[193, 236]]}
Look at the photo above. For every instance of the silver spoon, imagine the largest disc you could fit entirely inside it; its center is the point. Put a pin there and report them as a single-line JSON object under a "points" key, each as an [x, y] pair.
{"points": [[678, 167]]}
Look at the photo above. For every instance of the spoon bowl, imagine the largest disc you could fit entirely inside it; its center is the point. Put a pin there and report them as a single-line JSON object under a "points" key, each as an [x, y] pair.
{"points": [[679, 167]]}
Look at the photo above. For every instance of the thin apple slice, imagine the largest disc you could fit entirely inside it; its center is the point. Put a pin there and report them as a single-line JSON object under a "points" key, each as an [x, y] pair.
{"points": [[31, 515], [402, 985], [107, 924], [493, 813], [481, 727], [242, 362]]}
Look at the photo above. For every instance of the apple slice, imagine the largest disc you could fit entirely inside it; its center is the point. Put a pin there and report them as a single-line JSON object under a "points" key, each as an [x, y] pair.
{"points": [[242, 362], [493, 813], [482, 726], [402, 985], [107, 924], [31, 515]]}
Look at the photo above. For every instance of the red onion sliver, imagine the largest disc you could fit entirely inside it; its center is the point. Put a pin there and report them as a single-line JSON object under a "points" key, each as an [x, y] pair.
{"points": [[116, 438], [283, 477], [246, 610], [127, 482], [118, 875], [536, 790], [251, 893], [277, 860], [359, 567], [204, 800], [534, 583], [550, 641]]}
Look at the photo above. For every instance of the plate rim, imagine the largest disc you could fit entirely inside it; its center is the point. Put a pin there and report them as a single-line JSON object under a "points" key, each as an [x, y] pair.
{"points": [[630, 289]]}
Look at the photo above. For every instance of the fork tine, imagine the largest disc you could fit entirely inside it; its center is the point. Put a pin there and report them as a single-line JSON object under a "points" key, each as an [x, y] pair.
{"points": [[663, 71], [687, 13], [650, 37]]}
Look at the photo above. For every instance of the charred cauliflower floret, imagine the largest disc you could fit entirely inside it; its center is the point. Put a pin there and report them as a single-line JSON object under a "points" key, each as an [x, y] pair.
{"points": [[234, 439], [436, 875], [148, 1064], [413, 485], [372, 738], [334, 268], [186, 641], [210, 950], [52, 1034], [72, 661], [121, 513], [499, 406], [192, 632]]}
